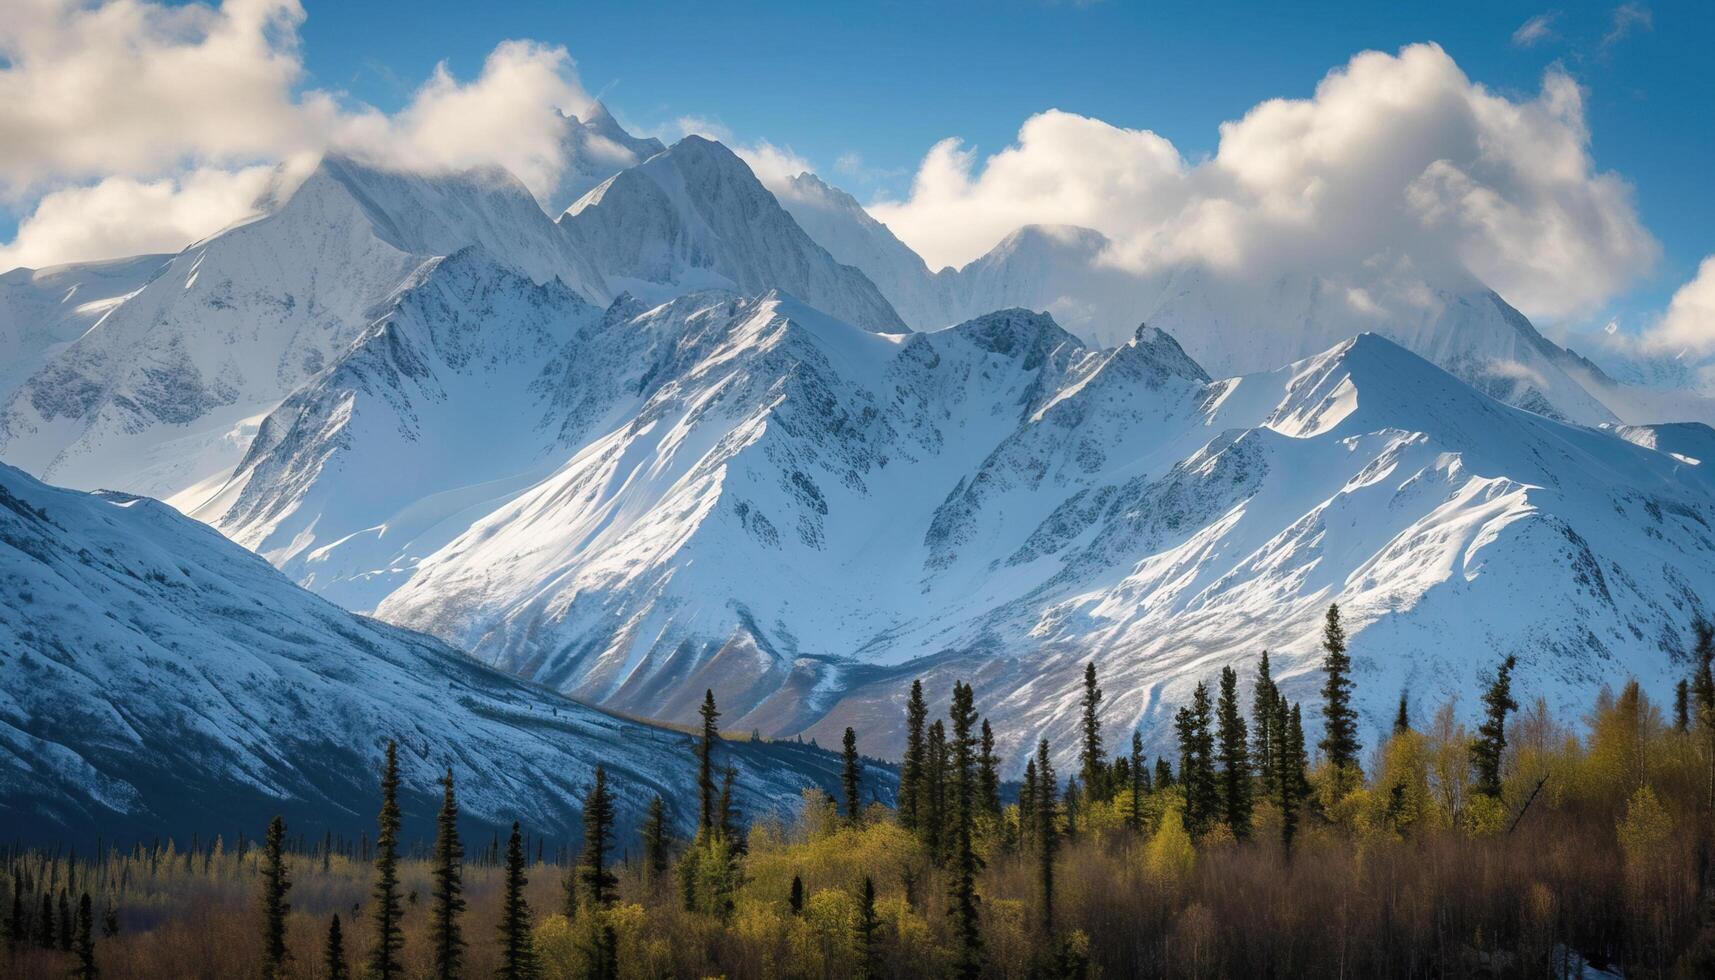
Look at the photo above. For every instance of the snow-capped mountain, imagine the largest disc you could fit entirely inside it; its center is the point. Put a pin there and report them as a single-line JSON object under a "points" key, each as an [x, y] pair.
{"points": [[164, 679], [695, 217], [595, 148], [42, 310], [749, 495]]}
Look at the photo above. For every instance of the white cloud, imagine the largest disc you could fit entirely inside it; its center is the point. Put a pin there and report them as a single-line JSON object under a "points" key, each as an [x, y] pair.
{"points": [[161, 114], [1398, 163], [1689, 323], [773, 165], [1626, 18], [1537, 29]]}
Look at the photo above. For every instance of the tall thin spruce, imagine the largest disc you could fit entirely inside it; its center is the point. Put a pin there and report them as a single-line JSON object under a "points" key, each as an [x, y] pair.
{"points": [[706, 763], [913, 769], [1047, 840], [334, 966], [1340, 722], [1703, 695], [934, 810], [389, 937], [988, 777], [446, 901], [656, 843], [869, 933], [962, 794], [276, 881], [1139, 783], [599, 882], [1402, 718], [517, 955], [1197, 762], [1265, 736], [1090, 758], [851, 770], [1234, 747], [1027, 806], [1491, 741], [84, 944]]}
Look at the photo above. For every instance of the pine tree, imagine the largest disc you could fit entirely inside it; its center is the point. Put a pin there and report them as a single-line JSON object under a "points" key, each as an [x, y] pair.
{"points": [[1027, 806], [1266, 738], [1289, 778], [517, 955], [1402, 720], [962, 794], [1046, 840], [333, 953], [850, 771], [389, 938], [988, 776], [706, 764], [1197, 763], [1682, 706], [1491, 740], [935, 793], [914, 768], [795, 897], [727, 810], [1340, 722], [598, 881], [656, 844], [1139, 783], [276, 881], [447, 892], [869, 933], [1234, 743], [1090, 757], [1163, 773], [85, 941]]}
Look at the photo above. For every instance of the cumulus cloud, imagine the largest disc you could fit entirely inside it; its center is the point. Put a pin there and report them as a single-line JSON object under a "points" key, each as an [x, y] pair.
{"points": [[1537, 29], [1689, 323], [161, 115], [1398, 169]]}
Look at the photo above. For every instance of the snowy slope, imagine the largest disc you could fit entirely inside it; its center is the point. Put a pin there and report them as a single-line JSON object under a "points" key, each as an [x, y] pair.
{"points": [[164, 680], [695, 217], [42, 310], [755, 497], [163, 395], [594, 149]]}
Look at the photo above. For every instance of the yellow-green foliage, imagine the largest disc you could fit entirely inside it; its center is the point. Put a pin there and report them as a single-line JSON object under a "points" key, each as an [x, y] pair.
{"points": [[1170, 856]]}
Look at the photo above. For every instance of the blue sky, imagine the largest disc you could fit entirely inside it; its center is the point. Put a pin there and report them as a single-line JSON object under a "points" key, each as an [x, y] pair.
{"points": [[885, 81], [109, 157]]}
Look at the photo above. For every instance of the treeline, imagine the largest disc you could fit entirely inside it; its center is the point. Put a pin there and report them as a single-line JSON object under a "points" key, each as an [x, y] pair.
{"points": [[1520, 848]]}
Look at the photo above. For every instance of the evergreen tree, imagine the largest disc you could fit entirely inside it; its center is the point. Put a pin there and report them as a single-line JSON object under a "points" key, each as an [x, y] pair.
{"points": [[914, 767], [517, 955], [850, 778], [1163, 773], [447, 891], [1197, 763], [656, 845], [727, 811], [1703, 698], [1027, 806], [1265, 737], [85, 941], [1682, 706], [389, 938], [962, 795], [333, 953], [869, 933], [1234, 743], [795, 897], [706, 764], [1046, 840], [1491, 740], [1070, 799], [45, 923], [988, 776], [1340, 722], [67, 924], [1090, 757], [935, 793], [1289, 778], [1402, 720], [15, 924], [276, 881], [599, 882], [1139, 783]]}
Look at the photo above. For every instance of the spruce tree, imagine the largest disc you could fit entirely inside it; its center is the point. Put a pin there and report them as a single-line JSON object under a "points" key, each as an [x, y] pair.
{"points": [[656, 843], [706, 764], [1340, 722], [599, 883], [1139, 783], [1163, 773], [1703, 698], [988, 777], [1197, 763], [84, 944], [726, 811], [962, 796], [795, 897], [389, 938], [333, 953], [1047, 842], [914, 767], [45, 923], [517, 955], [276, 881], [1491, 739], [446, 902], [1265, 737], [935, 793], [869, 933], [1402, 720], [1027, 805], [850, 777], [1234, 742], [1090, 757], [1289, 778], [1682, 706], [68, 925]]}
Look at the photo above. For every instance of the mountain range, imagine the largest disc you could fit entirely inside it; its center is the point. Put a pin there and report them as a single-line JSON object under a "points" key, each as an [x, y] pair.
{"points": [[697, 434]]}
